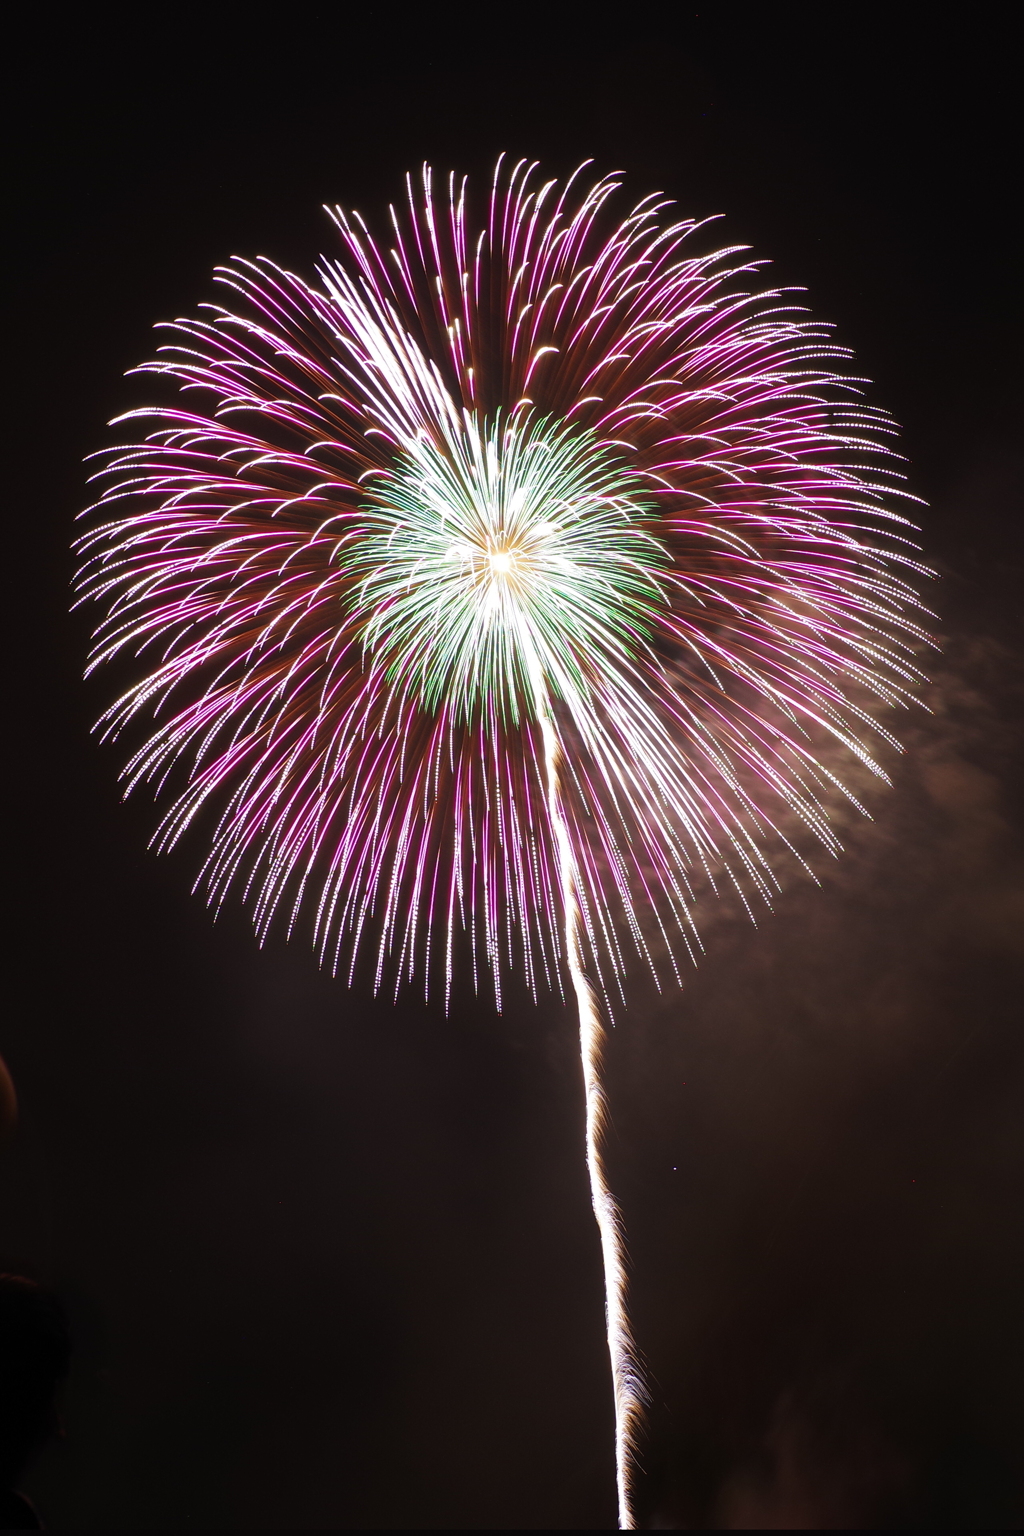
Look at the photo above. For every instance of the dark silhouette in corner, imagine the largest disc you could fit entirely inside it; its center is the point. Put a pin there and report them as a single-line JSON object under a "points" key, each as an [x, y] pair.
{"points": [[35, 1349]]}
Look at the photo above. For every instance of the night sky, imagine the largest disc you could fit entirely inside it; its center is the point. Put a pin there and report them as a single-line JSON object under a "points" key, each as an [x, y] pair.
{"points": [[330, 1261]]}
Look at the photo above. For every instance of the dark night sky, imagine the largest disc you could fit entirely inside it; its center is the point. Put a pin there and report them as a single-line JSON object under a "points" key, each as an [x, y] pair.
{"points": [[330, 1261]]}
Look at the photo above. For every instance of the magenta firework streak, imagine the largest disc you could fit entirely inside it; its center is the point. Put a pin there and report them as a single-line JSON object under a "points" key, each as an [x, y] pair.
{"points": [[501, 580]]}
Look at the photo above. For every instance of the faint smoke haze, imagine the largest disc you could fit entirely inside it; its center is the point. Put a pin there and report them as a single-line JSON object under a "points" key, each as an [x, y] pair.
{"points": [[828, 1177]]}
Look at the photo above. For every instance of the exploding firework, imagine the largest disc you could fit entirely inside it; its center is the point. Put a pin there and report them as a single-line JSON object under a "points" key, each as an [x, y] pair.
{"points": [[501, 581]]}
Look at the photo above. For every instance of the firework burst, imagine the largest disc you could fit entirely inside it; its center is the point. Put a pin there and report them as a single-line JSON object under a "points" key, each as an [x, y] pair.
{"points": [[501, 580]]}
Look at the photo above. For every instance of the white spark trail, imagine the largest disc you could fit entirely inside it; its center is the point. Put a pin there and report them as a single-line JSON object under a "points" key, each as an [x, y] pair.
{"points": [[627, 1382]]}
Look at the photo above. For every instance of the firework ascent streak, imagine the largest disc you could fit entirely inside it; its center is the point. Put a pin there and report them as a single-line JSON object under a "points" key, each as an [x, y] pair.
{"points": [[500, 581]]}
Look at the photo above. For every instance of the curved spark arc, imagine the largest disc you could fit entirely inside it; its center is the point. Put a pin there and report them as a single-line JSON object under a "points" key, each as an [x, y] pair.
{"points": [[413, 705]]}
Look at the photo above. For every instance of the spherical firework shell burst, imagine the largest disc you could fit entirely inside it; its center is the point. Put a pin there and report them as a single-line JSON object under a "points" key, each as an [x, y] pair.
{"points": [[740, 579]]}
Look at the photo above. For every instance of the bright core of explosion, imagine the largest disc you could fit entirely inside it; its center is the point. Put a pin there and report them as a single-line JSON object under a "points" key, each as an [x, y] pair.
{"points": [[507, 563]]}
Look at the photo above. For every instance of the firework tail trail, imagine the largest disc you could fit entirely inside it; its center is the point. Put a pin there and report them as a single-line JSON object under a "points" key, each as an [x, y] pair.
{"points": [[627, 1384]]}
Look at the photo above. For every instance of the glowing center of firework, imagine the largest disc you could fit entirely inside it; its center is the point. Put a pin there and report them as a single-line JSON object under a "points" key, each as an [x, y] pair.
{"points": [[509, 565], [502, 560]]}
